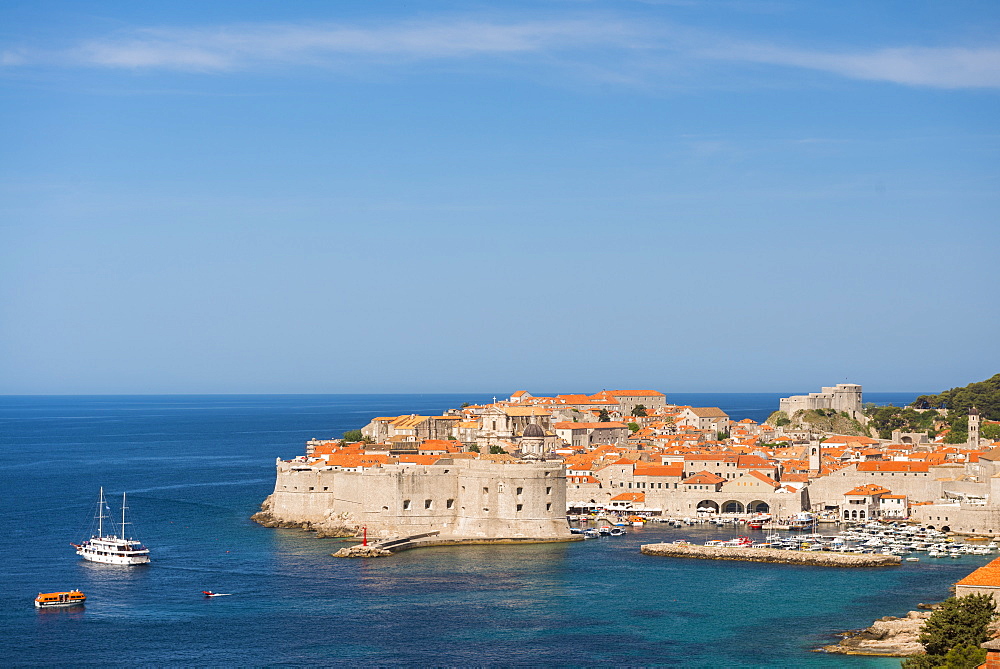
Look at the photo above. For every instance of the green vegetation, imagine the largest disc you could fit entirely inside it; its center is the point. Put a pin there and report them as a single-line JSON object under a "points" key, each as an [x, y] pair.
{"points": [[474, 448], [603, 416], [958, 423], [496, 450], [778, 419], [984, 395], [825, 420], [888, 418], [639, 410], [352, 436], [634, 427], [953, 633]]}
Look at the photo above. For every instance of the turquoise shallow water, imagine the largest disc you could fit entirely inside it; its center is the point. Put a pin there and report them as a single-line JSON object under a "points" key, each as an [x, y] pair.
{"points": [[197, 467]]}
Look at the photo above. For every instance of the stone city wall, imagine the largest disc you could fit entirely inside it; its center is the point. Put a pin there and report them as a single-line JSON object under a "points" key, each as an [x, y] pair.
{"points": [[458, 498]]}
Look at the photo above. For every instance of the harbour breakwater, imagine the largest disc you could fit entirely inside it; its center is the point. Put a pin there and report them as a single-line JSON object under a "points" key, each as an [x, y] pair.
{"points": [[770, 555]]}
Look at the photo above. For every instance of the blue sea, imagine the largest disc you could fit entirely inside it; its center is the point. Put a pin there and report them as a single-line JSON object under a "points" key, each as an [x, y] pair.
{"points": [[197, 467]]}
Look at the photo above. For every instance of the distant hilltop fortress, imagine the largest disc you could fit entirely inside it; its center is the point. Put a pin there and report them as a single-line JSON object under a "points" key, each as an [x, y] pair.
{"points": [[844, 397]]}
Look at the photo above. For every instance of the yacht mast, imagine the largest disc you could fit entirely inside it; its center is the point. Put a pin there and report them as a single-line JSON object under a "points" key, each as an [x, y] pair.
{"points": [[100, 514], [123, 516]]}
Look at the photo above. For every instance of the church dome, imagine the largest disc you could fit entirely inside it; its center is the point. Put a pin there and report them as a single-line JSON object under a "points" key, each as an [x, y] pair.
{"points": [[534, 430], [973, 411]]}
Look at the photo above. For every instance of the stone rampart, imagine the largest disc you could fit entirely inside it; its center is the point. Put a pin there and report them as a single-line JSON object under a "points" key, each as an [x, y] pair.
{"points": [[464, 499]]}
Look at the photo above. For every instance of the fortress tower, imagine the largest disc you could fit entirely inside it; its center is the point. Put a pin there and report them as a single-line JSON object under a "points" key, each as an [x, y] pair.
{"points": [[844, 397]]}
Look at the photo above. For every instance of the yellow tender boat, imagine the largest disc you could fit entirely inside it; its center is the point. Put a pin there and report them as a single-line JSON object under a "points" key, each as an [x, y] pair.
{"points": [[46, 600]]}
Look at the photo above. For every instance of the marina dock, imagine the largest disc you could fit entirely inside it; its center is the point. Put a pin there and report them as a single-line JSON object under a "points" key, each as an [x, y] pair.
{"points": [[771, 555]]}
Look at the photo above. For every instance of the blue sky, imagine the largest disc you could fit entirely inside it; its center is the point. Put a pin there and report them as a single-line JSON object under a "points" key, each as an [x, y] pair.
{"points": [[447, 197]]}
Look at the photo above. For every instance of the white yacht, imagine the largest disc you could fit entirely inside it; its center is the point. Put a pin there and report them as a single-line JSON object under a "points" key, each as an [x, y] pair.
{"points": [[112, 548]]}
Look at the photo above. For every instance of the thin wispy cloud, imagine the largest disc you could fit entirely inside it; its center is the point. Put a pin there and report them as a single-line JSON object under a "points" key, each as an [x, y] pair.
{"points": [[245, 46], [590, 43], [939, 67]]}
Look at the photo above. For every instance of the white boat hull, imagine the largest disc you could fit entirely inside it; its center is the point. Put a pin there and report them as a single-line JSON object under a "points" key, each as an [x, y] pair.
{"points": [[112, 558]]}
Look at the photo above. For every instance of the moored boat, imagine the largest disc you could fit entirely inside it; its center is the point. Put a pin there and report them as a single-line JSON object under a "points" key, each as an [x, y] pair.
{"points": [[113, 548], [52, 600]]}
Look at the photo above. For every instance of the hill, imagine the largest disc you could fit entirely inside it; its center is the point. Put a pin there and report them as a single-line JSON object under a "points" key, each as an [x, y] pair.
{"points": [[984, 395], [824, 420]]}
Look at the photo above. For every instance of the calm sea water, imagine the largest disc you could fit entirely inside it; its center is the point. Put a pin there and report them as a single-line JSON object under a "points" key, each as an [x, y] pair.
{"points": [[197, 467]]}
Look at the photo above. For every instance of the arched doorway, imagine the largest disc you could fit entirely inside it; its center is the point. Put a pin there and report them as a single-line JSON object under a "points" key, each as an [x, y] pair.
{"points": [[758, 506], [707, 505], [732, 506]]}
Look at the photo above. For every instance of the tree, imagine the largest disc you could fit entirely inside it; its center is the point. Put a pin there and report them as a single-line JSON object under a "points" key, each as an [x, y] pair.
{"points": [[496, 450], [965, 657], [352, 436], [990, 431], [603, 416], [959, 428], [634, 427], [639, 410], [474, 448], [959, 625], [984, 395]]}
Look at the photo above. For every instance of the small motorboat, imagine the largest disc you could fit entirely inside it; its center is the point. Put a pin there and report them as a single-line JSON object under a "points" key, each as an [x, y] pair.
{"points": [[913, 559], [51, 600], [616, 532], [209, 593]]}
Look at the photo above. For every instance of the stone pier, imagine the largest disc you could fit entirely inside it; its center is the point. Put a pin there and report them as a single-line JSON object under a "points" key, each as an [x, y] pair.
{"points": [[771, 555]]}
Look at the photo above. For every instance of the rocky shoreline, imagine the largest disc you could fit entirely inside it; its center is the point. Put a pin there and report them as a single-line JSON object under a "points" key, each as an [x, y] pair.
{"points": [[771, 555], [267, 520], [329, 528], [889, 636]]}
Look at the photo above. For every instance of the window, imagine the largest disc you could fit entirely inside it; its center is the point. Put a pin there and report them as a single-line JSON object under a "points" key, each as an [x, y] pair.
{"points": [[450, 503], [548, 491], [520, 490], [520, 506], [427, 503], [486, 491], [548, 507], [406, 504]]}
